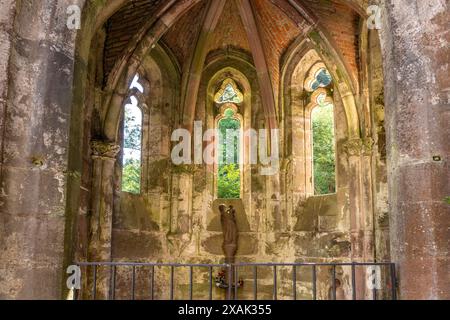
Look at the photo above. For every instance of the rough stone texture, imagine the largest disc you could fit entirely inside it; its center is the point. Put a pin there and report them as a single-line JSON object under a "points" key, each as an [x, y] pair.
{"points": [[35, 146], [415, 39]]}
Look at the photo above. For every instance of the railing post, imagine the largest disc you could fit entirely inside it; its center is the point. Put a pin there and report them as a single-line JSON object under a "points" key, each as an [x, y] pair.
{"points": [[275, 284], [172, 282], [112, 288], [133, 283], [314, 279], [294, 281], [94, 285], [191, 282], [353, 281], [393, 282], [333, 272], [255, 282], [152, 283], [230, 280], [210, 282]]}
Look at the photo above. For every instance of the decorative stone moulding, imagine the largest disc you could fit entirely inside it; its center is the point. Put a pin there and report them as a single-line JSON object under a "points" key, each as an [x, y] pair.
{"points": [[318, 77], [104, 150], [229, 93], [356, 147]]}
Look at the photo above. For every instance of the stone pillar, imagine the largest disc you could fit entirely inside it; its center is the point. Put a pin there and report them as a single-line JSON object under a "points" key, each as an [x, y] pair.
{"points": [[367, 213], [359, 153], [104, 158], [36, 107], [415, 47], [353, 148]]}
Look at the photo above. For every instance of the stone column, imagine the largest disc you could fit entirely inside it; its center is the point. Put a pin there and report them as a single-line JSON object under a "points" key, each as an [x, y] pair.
{"points": [[361, 212], [415, 47], [104, 158], [36, 98], [367, 213], [353, 148]]}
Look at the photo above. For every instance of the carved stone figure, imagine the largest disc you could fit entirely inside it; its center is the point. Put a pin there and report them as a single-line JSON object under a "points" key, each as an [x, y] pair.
{"points": [[230, 232]]}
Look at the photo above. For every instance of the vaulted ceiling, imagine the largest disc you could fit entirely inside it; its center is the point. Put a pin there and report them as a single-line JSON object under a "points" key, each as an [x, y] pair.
{"points": [[262, 28]]}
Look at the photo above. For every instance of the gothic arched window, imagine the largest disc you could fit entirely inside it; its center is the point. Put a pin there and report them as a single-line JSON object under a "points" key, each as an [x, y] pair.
{"points": [[229, 124], [323, 144], [132, 140], [322, 129]]}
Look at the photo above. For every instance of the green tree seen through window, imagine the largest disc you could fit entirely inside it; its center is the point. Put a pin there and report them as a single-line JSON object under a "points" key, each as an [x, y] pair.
{"points": [[131, 172], [229, 175], [324, 154]]}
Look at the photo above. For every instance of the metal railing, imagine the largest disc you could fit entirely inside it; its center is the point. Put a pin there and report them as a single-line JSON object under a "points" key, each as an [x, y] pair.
{"points": [[90, 279]]}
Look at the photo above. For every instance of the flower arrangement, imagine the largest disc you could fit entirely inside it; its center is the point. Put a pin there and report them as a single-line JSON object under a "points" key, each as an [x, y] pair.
{"points": [[221, 281]]}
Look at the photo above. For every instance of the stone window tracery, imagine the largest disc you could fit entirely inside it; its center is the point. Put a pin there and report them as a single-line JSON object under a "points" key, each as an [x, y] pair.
{"points": [[229, 93], [318, 77], [229, 167]]}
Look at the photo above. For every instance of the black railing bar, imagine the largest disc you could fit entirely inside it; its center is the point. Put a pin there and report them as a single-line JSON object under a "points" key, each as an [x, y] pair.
{"points": [[334, 282], [304, 264], [314, 275], [393, 282], [83, 282], [145, 264], [310, 264], [255, 282], [230, 280], [275, 284], [210, 283], [153, 283], [94, 292], [172, 279], [133, 283], [294, 282], [353, 282], [113, 282], [191, 283], [236, 281]]}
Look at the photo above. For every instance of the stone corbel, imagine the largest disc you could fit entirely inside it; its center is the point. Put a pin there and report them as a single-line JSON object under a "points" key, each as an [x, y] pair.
{"points": [[368, 144], [358, 147], [104, 150], [353, 147]]}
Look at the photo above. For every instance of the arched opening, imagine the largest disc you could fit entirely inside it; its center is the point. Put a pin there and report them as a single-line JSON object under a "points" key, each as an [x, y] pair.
{"points": [[57, 185], [132, 141], [323, 146], [230, 144]]}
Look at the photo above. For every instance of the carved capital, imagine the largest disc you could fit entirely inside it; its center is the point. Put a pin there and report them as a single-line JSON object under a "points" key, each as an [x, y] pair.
{"points": [[104, 150], [353, 147], [357, 147], [368, 144]]}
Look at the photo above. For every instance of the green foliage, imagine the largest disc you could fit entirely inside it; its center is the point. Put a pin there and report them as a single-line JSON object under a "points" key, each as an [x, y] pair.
{"points": [[132, 129], [324, 150], [229, 181], [229, 175], [447, 200], [228, 124], [131, 177], [131, 173]]}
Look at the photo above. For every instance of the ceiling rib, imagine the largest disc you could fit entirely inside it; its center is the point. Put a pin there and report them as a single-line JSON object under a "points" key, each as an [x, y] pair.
{"points": [[259, 58], [193, 77]]}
